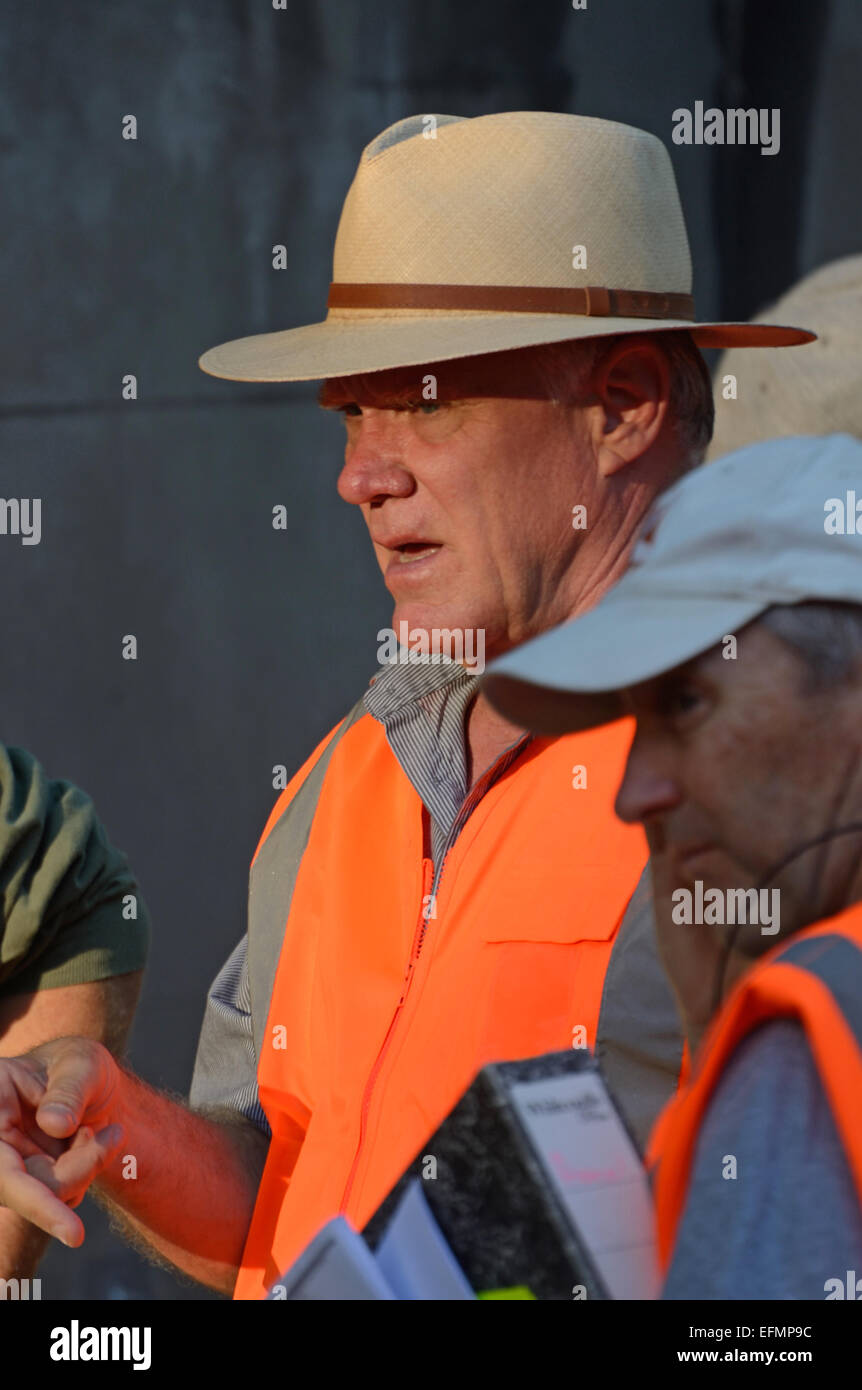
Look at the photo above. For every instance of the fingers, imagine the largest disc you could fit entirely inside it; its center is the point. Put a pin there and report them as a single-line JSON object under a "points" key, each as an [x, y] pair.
{"points": [[84, 1160], [51, 1186], [21, 1090], [19, 1079], [31, 1199], [42, 1189], [48, 1155], [77, 1085]]}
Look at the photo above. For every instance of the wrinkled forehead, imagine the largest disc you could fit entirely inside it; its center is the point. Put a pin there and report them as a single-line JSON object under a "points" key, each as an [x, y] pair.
{"points": [[520, 374]]}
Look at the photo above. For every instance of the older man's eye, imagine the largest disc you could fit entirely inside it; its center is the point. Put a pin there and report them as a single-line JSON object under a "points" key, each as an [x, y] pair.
{"points": [[681, 699], [351, 408]]}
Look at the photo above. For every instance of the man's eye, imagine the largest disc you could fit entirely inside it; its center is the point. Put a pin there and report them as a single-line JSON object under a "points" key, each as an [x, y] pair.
{"points": [[428, 407], [351, 408], [680, 700]]}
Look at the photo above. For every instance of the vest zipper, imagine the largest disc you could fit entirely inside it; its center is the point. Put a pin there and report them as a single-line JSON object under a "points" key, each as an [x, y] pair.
{"points": [[431, 879], [418, 938]]}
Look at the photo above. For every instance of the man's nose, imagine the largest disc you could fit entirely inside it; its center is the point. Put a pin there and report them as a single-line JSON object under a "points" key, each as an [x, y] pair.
{"points": [[648, 786], [374, 464]]}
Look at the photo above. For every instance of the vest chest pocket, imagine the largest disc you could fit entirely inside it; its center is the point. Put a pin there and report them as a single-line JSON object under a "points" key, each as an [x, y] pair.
{"points": [[543, 961], [555, 910]]}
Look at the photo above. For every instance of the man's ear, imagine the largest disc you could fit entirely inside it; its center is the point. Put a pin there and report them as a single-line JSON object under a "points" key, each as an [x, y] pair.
{"points": [[631, 384]]}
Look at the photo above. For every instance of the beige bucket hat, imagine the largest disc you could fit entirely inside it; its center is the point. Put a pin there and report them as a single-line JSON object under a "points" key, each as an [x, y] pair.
{"points": [[461, 237], [814, 393]]}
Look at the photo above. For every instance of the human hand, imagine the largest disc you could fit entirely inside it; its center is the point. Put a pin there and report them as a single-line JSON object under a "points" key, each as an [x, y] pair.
{"points": [[56, 1131]]}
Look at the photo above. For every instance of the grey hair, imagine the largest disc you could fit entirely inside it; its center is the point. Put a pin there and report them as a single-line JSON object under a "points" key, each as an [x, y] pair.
{"points": [[826, 636], [566, 368]]}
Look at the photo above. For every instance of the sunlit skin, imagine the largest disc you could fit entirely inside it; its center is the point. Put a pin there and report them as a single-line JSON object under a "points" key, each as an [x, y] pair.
{"points": [[734, 765], [483, 481], [468, 499]]}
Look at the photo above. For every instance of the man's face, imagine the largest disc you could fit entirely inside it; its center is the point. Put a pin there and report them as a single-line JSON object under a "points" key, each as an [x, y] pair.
{"points": [[468, 497], [734, 765]]}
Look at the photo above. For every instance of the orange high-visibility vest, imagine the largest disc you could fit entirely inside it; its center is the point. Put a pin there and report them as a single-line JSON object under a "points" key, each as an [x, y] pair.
{"points": [[815, 978], [390, 995]]}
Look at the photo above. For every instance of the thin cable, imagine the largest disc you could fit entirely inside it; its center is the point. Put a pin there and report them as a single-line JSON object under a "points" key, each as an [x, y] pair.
{"points": [[854, 826]]}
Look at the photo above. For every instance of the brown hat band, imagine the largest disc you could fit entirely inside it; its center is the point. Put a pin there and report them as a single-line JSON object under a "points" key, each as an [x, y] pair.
{"points": [[594, 301]]}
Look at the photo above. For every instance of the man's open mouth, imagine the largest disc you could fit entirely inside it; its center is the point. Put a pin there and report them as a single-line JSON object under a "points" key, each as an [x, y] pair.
{"points": [[416, 550]]}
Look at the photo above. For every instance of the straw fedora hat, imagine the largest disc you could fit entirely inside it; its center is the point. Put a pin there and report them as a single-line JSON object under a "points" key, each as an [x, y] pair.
{"points": [[460, 237], [816, 393]]}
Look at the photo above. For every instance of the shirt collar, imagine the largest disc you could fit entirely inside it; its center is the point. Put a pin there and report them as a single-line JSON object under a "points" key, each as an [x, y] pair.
{"points": [[399, 684]]}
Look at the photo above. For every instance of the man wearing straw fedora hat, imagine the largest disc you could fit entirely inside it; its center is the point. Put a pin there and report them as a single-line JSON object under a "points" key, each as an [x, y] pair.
{"points": [[512, 340]]}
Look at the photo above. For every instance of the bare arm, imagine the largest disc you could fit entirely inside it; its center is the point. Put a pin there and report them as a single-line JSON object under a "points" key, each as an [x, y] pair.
{"points": [[69, 1115], [102, 1010], [184, 1183]]}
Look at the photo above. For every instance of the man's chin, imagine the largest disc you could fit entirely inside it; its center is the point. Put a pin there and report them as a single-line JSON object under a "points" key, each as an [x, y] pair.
{"points": [[432, 617]]}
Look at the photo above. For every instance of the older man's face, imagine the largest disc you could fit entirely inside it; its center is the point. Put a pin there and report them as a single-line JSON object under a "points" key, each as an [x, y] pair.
{"points": [[468, 498], [734, 765]]}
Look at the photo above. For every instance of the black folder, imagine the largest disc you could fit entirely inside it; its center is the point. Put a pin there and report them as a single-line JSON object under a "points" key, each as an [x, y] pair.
{"points": [[537, 1185]]}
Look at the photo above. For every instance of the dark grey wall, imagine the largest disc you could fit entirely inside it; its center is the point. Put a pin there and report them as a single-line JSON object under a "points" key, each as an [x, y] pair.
{"points": [[132, 257]]}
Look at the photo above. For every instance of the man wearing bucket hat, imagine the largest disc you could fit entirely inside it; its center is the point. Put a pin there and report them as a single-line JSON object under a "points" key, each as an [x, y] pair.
{"points": [[735, 639], [512, 340]]}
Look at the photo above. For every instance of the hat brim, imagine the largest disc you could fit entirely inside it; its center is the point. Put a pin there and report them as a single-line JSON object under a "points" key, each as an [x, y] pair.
{"points": [[350, 344], [571, 677]]}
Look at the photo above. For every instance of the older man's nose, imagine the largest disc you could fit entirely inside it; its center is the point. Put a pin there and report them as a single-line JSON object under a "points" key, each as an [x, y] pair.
{"points": [[374, 468], [647, 786]]}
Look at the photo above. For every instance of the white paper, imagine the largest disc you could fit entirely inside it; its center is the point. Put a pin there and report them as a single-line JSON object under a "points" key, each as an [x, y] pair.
{"points": [[414, 1256], [596, 1173]]}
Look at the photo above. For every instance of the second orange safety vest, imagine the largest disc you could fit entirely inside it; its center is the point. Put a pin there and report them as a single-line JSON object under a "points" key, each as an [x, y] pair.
{"points": [[390, 994], [815, 978]]}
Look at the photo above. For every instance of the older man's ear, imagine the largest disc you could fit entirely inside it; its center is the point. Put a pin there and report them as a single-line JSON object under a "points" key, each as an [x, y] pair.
{"points": [[630, 388]]}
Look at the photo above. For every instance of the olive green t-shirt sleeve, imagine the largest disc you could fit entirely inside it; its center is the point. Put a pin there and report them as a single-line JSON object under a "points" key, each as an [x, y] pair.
{"points": [[71, 908]]}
